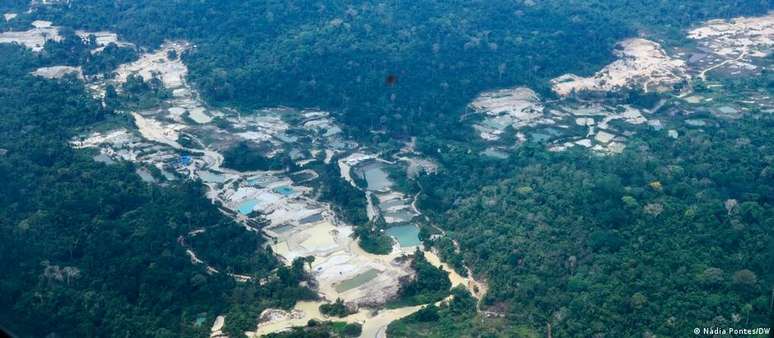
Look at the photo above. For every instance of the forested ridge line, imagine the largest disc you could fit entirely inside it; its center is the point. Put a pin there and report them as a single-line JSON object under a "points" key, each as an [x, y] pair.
{"points": [[90, 250]]}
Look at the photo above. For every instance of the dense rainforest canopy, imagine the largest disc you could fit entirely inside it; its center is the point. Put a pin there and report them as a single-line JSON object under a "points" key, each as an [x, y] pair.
{"points": [[91, 250], [627, 244], [669, 235], [338, 55]]}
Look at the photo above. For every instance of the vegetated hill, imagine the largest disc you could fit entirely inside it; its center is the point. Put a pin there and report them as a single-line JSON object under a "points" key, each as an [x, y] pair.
{"points": [[588, 245], [409, 67], [89, 250], [668, 236]]}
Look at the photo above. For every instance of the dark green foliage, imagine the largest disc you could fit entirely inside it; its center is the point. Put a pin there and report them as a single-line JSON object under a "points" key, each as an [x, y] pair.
{"points": [[137, 93], [456, 318], [336, 309], [596, 242], [430, 284], [233, 249], [290, 276], [400, 181], [14, 5], [245, 157], [108, 59], [448, 252], [641, 100], [188, 142], [604, 240], [373, 241], [316, 329], [350, 203], [74, 51], [90, 250], [352, 330], [304, 332], [406, 67], [71, 50], [590, 247], [239, 320], [426, 314], [462, 302]]}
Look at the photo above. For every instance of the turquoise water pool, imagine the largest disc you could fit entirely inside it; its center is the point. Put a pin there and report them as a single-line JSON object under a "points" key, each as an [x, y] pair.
{"points": [[247, 206], [407, 235], [284, 191]]}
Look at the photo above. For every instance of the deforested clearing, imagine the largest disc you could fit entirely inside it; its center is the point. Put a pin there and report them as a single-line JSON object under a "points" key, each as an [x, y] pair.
{"points": [[730, 38], [733, 44], [518, 107], [55, 72], [641, 64], [34, 38], [171, 72], [102, 39]]}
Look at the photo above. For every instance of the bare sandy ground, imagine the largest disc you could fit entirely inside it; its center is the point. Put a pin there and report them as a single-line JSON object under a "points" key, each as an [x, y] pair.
{"points": [[735, 43], [338, 257], [56, 72], [217, 327], [171, 72], [102, 39], [518, 107], [641, 63], [34, 38], [374, 323], [730, 37], [156, 131]]}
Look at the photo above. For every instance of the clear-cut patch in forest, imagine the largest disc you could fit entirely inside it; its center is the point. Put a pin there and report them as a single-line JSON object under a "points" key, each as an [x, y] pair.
{"points": [[732, 44], [177, 143], [56, 72], [517, 108], [102, 39], [34, 38], [559, 125], [584, 117], [641, 64]]}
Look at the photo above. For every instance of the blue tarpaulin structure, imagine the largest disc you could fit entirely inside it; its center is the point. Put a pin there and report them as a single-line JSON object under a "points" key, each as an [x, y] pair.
{"points": [[185, 160]]}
